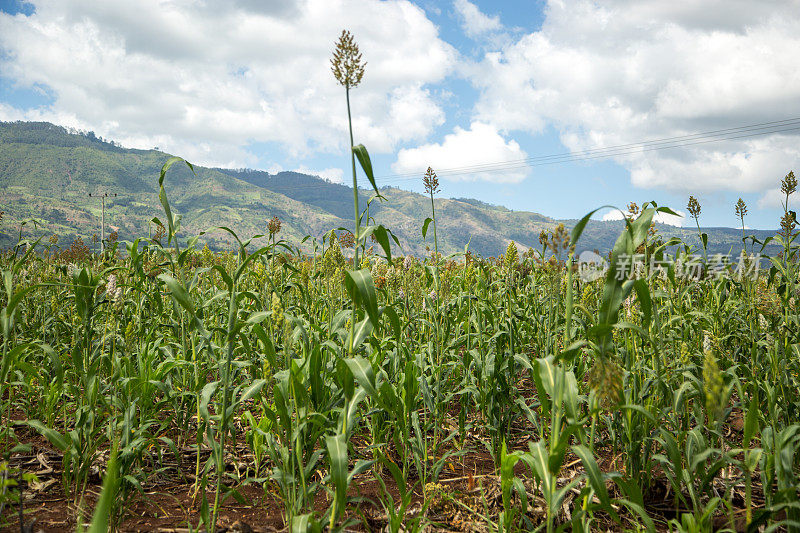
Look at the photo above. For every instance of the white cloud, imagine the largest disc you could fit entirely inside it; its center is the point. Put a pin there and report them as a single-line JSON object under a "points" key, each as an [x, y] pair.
{"points": [[274, 168], [661, 218], [204, 79], [611, 73], [333, 175], [671, 220], [613, 215], [473, 21], [463, 150], [772, 198]]}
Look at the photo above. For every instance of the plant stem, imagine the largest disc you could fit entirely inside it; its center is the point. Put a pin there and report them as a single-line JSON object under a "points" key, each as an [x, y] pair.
{"points": [[355, 180], [223, 416], [356, 264], [435, 238]]}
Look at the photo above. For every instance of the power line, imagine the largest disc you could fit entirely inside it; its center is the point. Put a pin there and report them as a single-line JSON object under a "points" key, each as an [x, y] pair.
{"points": [[604, 155], [679, 141], [667, 142]]}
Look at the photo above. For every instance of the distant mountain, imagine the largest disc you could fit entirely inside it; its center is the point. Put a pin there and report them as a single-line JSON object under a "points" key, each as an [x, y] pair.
{"points": [[47, 173]]}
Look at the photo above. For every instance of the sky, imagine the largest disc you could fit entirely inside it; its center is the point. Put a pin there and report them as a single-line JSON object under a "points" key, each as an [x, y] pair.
{"points": [[537, 105]]}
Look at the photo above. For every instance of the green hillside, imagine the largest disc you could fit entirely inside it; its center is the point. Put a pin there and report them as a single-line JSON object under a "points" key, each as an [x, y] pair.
{"points": [[47, 173]]}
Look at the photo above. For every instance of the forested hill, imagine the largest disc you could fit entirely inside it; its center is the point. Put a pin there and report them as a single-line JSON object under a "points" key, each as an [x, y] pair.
{"points": [[47, 173]]}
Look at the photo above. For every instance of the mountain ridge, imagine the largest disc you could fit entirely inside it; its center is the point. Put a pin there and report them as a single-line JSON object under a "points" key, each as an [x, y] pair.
{"points": [[47, 172]]}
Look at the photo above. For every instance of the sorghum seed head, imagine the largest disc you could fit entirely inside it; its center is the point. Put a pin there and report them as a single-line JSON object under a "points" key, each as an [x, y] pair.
{"points": [[693, 207], [347, 65], [789, 184], [543, 238], [347, 240], [431, 182], [606, 378], [713, 386], [788, 224], [277, 310], [741, 208], [511, 255], [274, 226]]}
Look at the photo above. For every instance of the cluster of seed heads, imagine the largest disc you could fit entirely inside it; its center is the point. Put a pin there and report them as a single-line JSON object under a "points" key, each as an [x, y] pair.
{"points": [[741, 209], [277, 311], [347, 240], [606, 378], [378, 269], [693, 207], [159, 234], [333, 260], [274, 226], [543, 238], [511, 255], [633, 210], [432, 297], [431, 182], [114, 292], [685, 356], [788, 223], [559, 239], [347, 65], [713, 382], [789, 184]]}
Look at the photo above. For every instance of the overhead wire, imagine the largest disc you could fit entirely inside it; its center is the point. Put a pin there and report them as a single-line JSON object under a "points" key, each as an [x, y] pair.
{"points": [[624, 149], [678, 141]]}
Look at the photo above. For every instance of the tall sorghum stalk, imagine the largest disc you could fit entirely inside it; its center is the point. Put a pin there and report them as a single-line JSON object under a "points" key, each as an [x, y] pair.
{"points": [[788, 187], [694, 210], [348, 69], [432, 187], [741, 211], [788, 225]]}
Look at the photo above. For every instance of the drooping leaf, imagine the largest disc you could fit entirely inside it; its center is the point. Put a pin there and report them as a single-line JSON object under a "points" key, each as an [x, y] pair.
{"points": [[361, 289], [366, 165], [425, 227], [363, 373]]}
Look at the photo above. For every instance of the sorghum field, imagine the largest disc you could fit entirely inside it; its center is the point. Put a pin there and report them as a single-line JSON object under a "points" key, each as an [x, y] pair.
{"points": [[159, 386]]}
